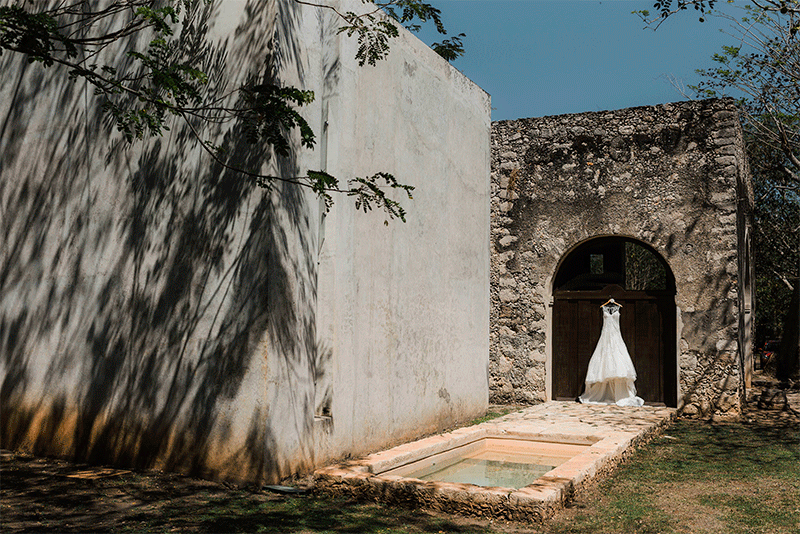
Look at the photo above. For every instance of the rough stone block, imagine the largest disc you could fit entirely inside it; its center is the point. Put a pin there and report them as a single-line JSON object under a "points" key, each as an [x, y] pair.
{"points": [[507, 295], [724, 133], [721, 141], [508, 240]]}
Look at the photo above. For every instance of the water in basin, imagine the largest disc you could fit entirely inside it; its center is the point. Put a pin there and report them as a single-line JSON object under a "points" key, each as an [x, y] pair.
{"points": [[506, 463], [487, 473]]}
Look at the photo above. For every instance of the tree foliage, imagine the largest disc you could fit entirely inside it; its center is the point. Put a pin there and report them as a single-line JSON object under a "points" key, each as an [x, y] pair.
{"points": [[776, 236], [667, 8], [373, 31], [761, 69], [168, 66], [764, 66], [643, 270]]}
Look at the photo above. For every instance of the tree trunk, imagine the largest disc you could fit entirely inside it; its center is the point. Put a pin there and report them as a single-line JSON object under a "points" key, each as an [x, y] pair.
{"points": [[788, 364]]}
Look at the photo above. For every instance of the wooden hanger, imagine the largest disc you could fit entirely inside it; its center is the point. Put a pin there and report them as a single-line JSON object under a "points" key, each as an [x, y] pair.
{"points": [[611, 301]]}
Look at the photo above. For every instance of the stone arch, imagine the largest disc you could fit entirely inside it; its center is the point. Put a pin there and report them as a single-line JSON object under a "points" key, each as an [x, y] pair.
{"points": [[635, 274]]}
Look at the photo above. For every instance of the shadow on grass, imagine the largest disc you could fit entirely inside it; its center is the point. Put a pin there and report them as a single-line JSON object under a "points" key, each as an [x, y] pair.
{"points": [[307, 514], [39, 494], [729, 477], [700, 476], [726, 451]]}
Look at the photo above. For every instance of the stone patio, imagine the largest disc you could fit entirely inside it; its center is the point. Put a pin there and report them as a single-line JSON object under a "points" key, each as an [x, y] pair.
{"points": [[612, 431]]}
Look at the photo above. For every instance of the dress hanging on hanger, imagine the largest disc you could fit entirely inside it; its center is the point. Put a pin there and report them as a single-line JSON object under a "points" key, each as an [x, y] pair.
{"points": [[611, 375]]}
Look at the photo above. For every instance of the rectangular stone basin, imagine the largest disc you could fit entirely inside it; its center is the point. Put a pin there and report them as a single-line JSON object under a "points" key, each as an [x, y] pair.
{"points": [[523, 466], [476, 471], [490, 462]]}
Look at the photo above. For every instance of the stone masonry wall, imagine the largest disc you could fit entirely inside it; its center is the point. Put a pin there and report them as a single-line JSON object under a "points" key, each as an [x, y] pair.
{"points": [[665, 175]]}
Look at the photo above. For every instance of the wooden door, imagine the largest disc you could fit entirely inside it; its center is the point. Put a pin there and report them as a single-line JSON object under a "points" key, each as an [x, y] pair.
{"points": [[647, 322]]}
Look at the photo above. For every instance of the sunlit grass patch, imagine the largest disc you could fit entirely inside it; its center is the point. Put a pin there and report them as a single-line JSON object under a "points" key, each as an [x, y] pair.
{"points": [[731, 477], [754, 514]]}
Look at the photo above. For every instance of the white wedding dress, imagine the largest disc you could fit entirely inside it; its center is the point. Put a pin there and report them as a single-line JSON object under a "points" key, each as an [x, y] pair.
{"points": [[610, 377]]}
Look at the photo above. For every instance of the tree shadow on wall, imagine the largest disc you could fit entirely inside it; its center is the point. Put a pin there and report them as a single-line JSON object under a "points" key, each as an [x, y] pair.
{"points": [[712, 382], [134, 303]]}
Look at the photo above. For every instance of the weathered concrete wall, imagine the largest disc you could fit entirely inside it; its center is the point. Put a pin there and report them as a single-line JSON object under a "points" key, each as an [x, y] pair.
{"points": [[404, 308], [157, 310], [669, 176]]}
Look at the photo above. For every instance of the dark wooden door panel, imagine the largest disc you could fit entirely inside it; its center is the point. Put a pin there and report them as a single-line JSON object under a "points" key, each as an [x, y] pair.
{"points": [[647, 324], [647, 358], [667, 312], [627, 326], [588, 333], [565, 351]]}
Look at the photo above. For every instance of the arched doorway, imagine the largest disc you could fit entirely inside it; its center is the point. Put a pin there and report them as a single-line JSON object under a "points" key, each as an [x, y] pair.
{"points": [[635, 275]]}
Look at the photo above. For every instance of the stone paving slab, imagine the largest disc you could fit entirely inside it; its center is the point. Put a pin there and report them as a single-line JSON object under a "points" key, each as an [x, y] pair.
{"points": [[611, 432]]}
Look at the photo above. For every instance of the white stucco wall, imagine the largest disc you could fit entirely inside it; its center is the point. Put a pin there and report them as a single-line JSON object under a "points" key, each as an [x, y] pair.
{"points": [[156, 310], [403, 308]]}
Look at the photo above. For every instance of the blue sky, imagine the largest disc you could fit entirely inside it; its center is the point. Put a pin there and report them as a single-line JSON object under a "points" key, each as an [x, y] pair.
{"points": [[548, 57]]}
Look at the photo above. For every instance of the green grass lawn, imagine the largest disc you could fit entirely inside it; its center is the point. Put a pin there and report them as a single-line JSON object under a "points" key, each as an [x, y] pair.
{"points": [[698, 477]]}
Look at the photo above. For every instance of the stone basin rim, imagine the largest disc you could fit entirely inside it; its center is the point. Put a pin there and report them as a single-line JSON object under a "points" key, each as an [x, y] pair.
{"points": [[401, 455]]}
